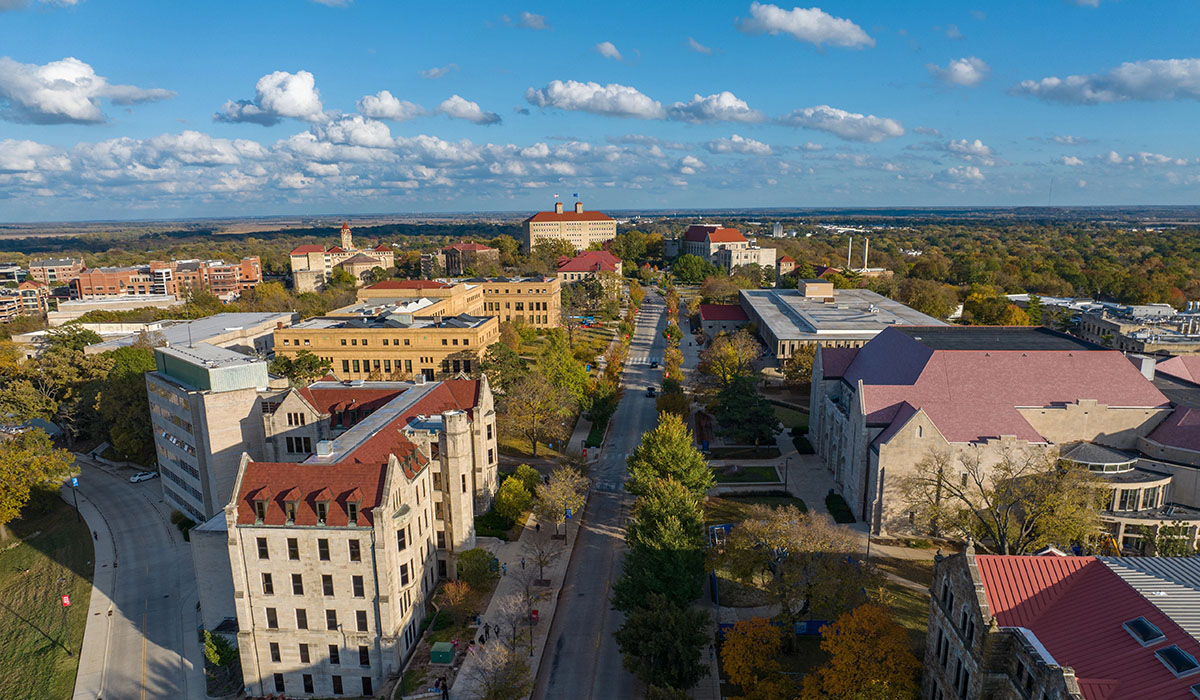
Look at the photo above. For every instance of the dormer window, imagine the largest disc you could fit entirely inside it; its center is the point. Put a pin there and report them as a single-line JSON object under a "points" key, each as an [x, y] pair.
{"points": [[322, 511], [352, 512], [260, 510], [289, 508]]}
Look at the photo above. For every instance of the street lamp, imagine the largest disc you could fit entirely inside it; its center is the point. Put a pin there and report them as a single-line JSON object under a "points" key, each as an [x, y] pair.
{"points": [[786, 465]]}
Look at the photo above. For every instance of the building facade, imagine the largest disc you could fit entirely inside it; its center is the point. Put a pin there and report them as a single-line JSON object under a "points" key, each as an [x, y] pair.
{"points": [[532, 301], [726, 248], [721, 318], [30, 298], [456, 259], [589, 263], [175, 278], [578, 227], [56, 272], [1153, 329], [313, 265]]}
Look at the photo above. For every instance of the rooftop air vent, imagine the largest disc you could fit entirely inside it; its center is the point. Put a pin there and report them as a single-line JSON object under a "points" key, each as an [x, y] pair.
{"points": [[1144, 631], [1178, 661], [324, 448]]}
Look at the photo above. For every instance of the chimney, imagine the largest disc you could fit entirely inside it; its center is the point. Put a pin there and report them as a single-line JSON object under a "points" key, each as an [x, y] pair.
{"points": [[578, 207], [558, 209], [279, 325]]}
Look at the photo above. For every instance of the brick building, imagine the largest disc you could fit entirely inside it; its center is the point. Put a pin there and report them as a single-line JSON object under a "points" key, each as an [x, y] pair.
{"points": [[175, 278], [589, 263], [55, 271]]}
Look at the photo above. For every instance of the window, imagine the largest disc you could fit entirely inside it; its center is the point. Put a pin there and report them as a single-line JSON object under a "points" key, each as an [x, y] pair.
{"points": [[444, 341], [1178, 661], [262, 548], [337, 685], [278, 682], [303, 653], [441, 539], [345, 363], [1128, 499], [437, 480], [275, 652], [272, 621], [356, 584], [301, 619], [464, 483], [323, 549], [489, 431], [322, 511], [360, 617], [355, 555], [352, 514], [437, 510], [404, 574], [354, 341], [401, 543], [295, 419], [297, 584], [308, 682], [334, 654], [965, 684], [268, 585], [367, 688], [491, 456], [331, 619], [260, 512], [355, 365], [293, 549], [364, 656], [343, 341], [326, 584]]}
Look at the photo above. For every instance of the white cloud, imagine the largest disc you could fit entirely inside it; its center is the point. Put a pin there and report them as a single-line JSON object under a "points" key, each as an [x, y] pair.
{"points": [[532, 21], [843, 124], [952, 32], [926, 130], [974, 148], [812, 25], [611, 100], [1069, 140], [31, 157], [65, 91], [690, 165], [698, 47], [966, 173], [6, 5], [439, 71], [1171, 79], [738, 144], [355, 130], [460, 108], [812, 147], [608, 50], [1071, 161], [967, 72], [1142, 158], [277, 95], [722, 106], [383, 105], [197, 148]]}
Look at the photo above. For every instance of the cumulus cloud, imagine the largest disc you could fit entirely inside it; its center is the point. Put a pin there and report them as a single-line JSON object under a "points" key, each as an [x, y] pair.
{"points": [[62, 92], [532, 21], [1171, 79], [277, 96], [30, 156], [690, 165], [1068, 140], [813, 25], [722, 106], [382, 105], [460, 108], [845, 125], [1141, 158], [967, 72], [611, 100], [439, 71], [976, 148], [608, 50], [738, 144], [1071, 161], [966, 173], [698, 47], [355, 130], [926, 130]]}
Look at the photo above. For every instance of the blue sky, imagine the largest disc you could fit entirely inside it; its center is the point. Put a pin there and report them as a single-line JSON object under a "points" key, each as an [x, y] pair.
{"points": [[123, 109]]}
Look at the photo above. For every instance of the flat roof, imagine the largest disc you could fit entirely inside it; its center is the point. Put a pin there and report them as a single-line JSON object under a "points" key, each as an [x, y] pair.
{"points": [[210, 356], [996, 338], [183, 332], [393, 321], [853, 314]]}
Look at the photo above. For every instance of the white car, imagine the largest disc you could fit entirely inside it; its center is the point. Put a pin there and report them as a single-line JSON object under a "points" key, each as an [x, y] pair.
{"points": [[143, 476]]}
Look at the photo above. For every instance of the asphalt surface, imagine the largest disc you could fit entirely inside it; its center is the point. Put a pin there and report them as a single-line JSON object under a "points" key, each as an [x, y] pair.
{"points": [[581, 659], [139, 651]]}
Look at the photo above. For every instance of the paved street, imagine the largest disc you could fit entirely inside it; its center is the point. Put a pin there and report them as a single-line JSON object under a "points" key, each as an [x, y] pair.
{"points": [[581, 660], [143, 649]]}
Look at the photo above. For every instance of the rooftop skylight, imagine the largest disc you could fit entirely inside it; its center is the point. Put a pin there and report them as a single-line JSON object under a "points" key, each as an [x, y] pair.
{"points": [[1179, 661], [1144, 631]]}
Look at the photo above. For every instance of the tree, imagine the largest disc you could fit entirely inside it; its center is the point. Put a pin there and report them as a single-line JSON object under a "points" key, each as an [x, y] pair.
{"points": [[475, 566], [744, 414], [804, 561], [512, 499], [70, 337], [558, 365], [27, 461], [341, 278], [929, 297], [672, 363], [304, 368], [869, 658], [675, 402], [668, 451], [719, 290], [666, 548], [59, 385], [457, 595], [636, 293], [529, 477], [218, 651], [660, 644], [503, 366], [1022, 502], [797, 369], [122, 404], [692, 269], [565, 489], [672, 333], [728, 359], [536, 410], [749, 655], [500, 673], [542, 552]]}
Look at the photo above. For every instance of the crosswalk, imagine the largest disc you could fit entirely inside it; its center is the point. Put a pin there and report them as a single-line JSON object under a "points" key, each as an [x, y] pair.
{"points": [[642, 359]]}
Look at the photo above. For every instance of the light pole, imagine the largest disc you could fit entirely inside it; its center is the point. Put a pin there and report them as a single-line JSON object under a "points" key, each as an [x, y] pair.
{"points": [[75, 497], [787, 463]]}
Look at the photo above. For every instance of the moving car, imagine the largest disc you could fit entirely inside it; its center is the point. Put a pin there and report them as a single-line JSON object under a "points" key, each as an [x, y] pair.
{"points": [[143, 476], [650, 392], [653, 364]]}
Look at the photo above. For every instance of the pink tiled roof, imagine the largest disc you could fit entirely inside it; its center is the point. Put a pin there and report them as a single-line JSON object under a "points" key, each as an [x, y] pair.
{"points": [[1076, 606], [722, 312], [1183, 367], [590, 261], [306, 249], [568, 216], [1181, 429], [787, 259], [973, 395], [700, 233]]}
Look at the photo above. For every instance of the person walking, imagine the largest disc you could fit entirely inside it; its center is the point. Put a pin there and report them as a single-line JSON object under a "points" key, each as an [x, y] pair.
{"points": [[504, 568], [522, 563]]}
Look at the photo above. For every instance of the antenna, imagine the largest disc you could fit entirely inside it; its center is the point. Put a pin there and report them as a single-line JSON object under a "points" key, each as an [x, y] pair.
{"points": [[849, 248], [866, 248]]}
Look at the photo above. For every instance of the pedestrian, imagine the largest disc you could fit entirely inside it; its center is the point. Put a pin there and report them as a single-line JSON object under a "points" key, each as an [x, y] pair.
{"points": [[522, 563], [504, 567], [537, 527], [482, 640], [710, 653], [455, 644]]}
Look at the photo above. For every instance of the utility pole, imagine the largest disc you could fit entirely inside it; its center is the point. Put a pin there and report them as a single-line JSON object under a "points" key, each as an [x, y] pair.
{"points": [[786, 463]]}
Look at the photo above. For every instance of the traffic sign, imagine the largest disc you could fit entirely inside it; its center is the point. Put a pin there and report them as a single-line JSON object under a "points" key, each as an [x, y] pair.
{"points": [[568, 514], [66, 601], [74, 481]]}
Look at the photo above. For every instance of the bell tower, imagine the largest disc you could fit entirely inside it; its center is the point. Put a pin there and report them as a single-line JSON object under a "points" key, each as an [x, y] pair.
{"points": [[347, 238]]}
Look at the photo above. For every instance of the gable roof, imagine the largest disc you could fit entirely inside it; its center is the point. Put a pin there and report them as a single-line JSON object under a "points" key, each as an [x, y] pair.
{"points": [[1183, 367], [1181, 429], [309, 248], [590, 261], [466, 247], [834, 361], [711, 233], [1075, 606], [359, 258], [974, 395], [787, 259], [552, 216], [722, 312]]}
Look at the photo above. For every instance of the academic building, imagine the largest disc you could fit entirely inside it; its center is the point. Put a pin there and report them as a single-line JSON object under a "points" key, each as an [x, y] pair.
{"points": [[313, 265], [175, 278], [580, 228]]}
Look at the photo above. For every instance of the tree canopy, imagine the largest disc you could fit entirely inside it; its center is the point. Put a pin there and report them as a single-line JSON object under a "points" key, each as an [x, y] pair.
{"points": [[869, 659], [668, 452]]}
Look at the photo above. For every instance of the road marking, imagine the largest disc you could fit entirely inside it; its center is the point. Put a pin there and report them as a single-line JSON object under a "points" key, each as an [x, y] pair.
{"points": [[144, 609]]}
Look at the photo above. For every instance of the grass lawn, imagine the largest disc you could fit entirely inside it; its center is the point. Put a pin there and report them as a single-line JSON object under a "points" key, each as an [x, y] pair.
{"points": [[919, 571], [51, 546], [770, 452], [748, 474], [791, 418], [517, 446], [733, 509], [839, 509], [911, 610]]}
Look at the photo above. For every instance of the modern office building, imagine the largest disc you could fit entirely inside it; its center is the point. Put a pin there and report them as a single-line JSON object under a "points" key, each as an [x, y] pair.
{"points": [[176, 278], [30, 298], [578, 227], [313, 265]]}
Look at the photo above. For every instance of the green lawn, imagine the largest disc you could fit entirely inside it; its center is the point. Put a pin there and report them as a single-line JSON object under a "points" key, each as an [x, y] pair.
{"points": [[766, 452], [733, 509], [791, 418], [916, 570], [748, 474], [517, 446], [52, 545], [839, 509], [911, 610]]}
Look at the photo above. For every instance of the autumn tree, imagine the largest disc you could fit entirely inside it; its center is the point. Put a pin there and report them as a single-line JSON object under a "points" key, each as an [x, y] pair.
{"points": [[59, 385], [541, 552], [750, 654], [869, 659], [558, 365], [675, 402], [1022, 501], [528, 476], [669, 451], [512, 499], [536, 410], [456, 598], [803, 560], [27, 461], [565, 489], [797, 369], [729, 358], [500, 673], [661, 642]]}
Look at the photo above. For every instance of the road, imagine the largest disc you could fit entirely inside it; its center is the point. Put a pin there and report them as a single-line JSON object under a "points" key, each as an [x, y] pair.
{"points": [[141, 651], [581, 660]]}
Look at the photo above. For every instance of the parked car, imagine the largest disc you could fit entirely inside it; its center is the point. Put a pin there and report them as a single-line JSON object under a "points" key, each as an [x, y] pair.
{"points": [[651, 392], [143, 476], [653, 364]]}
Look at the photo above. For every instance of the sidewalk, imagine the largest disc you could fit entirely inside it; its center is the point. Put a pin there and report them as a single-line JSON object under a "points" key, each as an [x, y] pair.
{"points": [[89, 677], [510, 554]]}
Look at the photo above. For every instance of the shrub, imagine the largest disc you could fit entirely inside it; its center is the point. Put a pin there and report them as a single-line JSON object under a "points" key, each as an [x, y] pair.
{"points": [[838, 508], [476, 567]]}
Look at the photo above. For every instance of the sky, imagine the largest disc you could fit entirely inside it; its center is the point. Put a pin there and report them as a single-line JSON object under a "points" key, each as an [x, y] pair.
{"points": [[126, 109]]}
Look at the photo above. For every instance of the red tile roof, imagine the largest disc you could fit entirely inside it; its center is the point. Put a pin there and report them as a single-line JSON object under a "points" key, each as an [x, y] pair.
{"points": [[546, 216], [468, 247], [1076, 606], [336, 249], [722, 312], [711, 233], [973, 395], [787, 259], [382, 248], [1181, 429], [410, 284], [1184, 367], [306, 249], [590, 261]]}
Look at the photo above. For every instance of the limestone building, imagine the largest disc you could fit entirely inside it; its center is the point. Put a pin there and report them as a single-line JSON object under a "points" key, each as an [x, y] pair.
{"points": [[578, 227], [589, 263], [313, 265], [456, 259], [726, 248]]}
